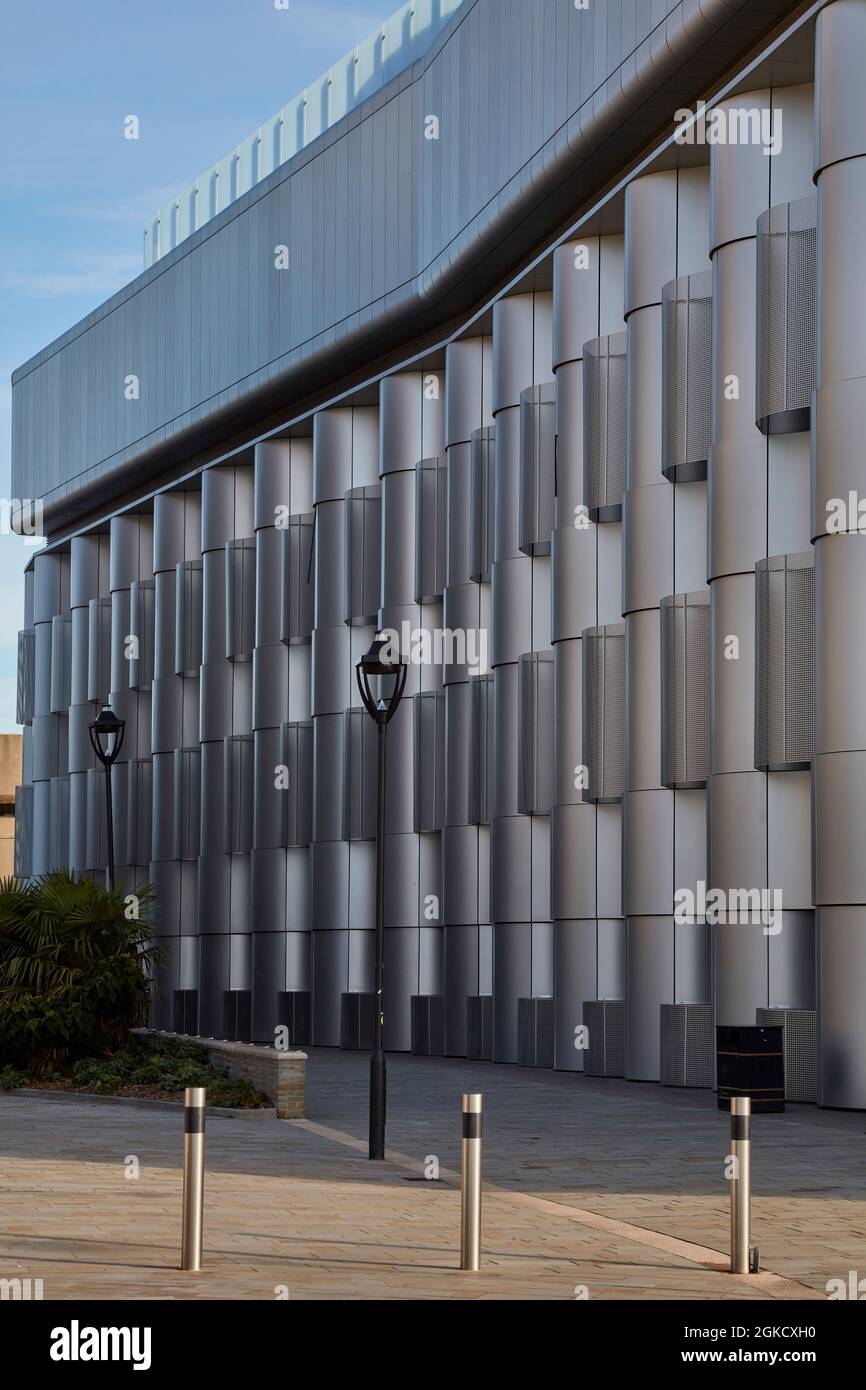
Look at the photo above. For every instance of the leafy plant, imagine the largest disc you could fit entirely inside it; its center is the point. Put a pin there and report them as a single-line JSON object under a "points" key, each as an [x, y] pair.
{"points": [[74, 970], [11, 1078]]}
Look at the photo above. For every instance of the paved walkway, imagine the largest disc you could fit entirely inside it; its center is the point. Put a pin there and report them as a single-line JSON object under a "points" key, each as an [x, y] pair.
{"points": [[602, 1189]]}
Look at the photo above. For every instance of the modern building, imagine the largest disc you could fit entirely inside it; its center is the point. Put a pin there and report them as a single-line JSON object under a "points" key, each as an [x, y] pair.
{"points": [[482, 341]]}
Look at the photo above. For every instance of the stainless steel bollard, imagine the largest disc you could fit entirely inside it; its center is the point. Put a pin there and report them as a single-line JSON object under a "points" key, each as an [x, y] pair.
{"points": [[194, 1101], [470, 1185], [741, 1184]]}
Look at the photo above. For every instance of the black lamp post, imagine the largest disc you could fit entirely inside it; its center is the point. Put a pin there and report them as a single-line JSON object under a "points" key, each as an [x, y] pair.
{"points": [[380, 661], [106, 736]]}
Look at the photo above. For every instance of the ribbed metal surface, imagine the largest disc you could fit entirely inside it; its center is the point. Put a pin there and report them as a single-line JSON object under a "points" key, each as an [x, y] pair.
{"points": [[687, 349], [61, 663], [238, 792], [685, 689], [482, 500], [132, 786], [431, 515], [604, 425], [687, 1045], [604, 1020], [58, 838], [535, 770], [787, 242], [480, 750], [799, 1046], [187, 803], [535, 1032], [603, 650], [784, 661], [99, 650], [537, 468], [363, 521]]}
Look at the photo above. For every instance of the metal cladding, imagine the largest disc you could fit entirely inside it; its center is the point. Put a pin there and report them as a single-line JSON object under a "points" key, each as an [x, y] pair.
{"points": [[603, 520]]}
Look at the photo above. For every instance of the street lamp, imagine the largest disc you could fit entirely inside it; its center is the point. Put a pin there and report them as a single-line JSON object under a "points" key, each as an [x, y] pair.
{"points": [[380, 661], [106, 736]]}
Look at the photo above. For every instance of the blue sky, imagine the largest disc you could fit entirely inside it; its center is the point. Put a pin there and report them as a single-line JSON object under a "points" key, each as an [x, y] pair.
{"points": [[200, 75]]}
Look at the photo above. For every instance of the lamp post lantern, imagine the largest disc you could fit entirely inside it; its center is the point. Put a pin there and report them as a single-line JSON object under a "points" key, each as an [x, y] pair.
{"points": [[380, 661], [106, 737]]}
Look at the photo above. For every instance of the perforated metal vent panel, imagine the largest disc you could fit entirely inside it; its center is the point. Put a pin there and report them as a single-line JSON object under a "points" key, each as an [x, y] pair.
{"points": [[428, 713], [142, 610], [603, 650], [537, 468], [360, 771], [687, 1041], [605, 1023], [23, 865], [799, 1045], [787, 239], [296, 608], [428, 1025], [61, 663], [535, 1032], [685, 689], [480, 749], [297, 799], [238, 753], [240, 599], [535, 732], [187, 802], [99, 650], [132, 796], [26, 674], [363, 555], [188, 618], [687, 321], [604, 425], [58, 838], [431, 529], [479, 1027], [784, 661], [481, 504]]}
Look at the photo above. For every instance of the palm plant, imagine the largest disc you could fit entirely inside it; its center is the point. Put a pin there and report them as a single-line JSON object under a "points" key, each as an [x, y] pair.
{"points": [[74, 969]]}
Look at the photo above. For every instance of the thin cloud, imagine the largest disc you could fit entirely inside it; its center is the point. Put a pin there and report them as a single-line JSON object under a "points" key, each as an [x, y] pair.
{"points": [[94, 275]]}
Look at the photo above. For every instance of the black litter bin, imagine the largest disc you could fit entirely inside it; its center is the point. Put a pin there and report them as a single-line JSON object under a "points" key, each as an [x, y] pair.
{"points": [[750, 1062]]}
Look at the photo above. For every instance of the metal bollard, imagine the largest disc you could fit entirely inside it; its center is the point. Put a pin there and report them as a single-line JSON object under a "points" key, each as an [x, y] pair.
{"points": [[741, 1184], [470, 1185], [194, 1101]]}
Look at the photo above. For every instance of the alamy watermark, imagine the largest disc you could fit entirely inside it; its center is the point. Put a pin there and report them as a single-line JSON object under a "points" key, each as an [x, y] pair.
{"points": [[440, 646], [730, 125], [729, 907]]}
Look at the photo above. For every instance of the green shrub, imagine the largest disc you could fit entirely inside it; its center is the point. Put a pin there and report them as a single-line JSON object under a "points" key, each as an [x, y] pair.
{"points": [[73, 970], [10, 1078]]}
